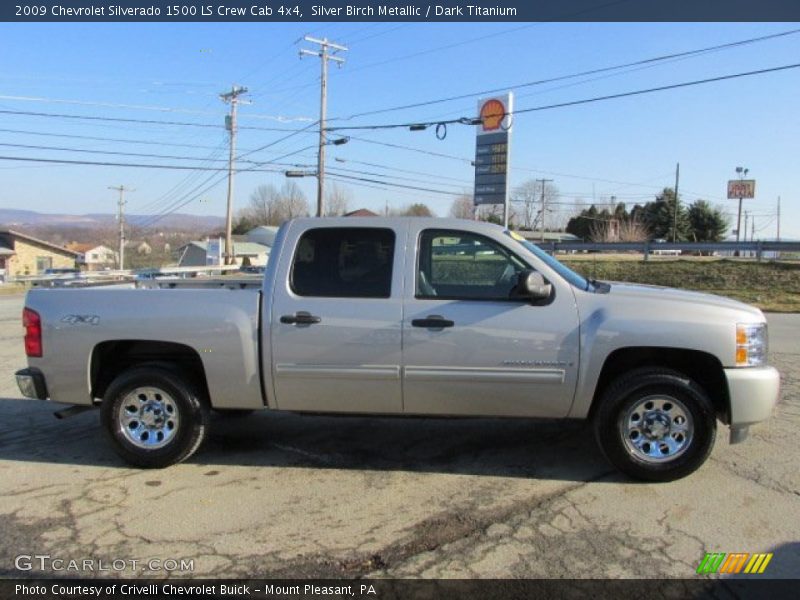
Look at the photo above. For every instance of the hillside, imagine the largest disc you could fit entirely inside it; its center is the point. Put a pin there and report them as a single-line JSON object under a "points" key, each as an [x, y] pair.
{"points": [[11, 218]]}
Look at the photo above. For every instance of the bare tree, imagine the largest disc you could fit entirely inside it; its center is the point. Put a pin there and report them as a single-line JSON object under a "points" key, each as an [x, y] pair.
{"points": [[265, 206], [633, 230], [463, 207], [526, 199], [337, 200], [604, 230], [293, 201]]}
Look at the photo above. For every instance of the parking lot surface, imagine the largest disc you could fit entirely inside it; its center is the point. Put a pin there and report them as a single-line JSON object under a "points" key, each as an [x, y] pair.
{"points": [[300, 496]]}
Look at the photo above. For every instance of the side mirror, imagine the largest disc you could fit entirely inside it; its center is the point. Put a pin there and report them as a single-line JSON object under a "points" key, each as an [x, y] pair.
{"points": [[532, 285]]}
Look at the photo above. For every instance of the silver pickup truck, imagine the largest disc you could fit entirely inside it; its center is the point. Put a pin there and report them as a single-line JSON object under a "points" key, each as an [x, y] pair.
{"points": [[406, 316]]}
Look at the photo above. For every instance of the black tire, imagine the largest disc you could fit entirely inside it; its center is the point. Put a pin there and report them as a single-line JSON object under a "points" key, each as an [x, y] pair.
{"points": [[182, 417], [634, 442]]}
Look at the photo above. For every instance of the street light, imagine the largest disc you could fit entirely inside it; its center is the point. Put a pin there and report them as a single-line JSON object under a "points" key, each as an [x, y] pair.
{"points": [[293, 174]]}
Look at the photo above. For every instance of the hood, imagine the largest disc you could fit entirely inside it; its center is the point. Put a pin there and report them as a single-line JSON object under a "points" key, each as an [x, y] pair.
{"points": [[655, 293]]}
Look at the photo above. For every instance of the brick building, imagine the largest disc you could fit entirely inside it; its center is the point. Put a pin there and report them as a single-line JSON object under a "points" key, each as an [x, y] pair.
{"points": [[22, 255]]}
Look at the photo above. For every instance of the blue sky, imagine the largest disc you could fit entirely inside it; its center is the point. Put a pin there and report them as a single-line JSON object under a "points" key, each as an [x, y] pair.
{"points": [[626, 147]]}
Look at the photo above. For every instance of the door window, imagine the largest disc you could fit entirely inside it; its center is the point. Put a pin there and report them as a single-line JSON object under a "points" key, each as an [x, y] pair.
{"points": [[353, 262], [465, 266]]}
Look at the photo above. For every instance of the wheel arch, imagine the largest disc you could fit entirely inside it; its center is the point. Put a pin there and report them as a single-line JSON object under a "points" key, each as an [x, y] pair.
{"points": [[703, 368], [110, 359]]}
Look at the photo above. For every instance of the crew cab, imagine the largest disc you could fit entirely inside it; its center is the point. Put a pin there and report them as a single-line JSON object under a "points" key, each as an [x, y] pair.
{"points": [[406, 316]]}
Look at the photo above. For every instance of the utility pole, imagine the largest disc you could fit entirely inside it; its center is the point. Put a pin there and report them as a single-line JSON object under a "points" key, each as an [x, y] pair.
{"points": [[675, 216], [324, 54], [778, 239], [746, 218], [121, 218], [231, 98], [544, 182], [742, 172]]}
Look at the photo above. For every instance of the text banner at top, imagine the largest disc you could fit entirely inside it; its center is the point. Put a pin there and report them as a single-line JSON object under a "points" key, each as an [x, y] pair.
{"points": [[408, 11]]}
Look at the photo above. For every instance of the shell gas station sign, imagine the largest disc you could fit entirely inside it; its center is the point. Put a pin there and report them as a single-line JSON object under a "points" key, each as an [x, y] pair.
{"points": [[492, 150]]}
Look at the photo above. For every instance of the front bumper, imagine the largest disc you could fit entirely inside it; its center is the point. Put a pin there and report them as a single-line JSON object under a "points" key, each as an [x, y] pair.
{"points": [[753, 393], [32, 384]]}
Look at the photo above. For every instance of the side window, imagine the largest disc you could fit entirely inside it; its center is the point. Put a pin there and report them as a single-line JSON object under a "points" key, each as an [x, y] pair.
{"points": [[353, 262], [465, 266], [43, 263]]}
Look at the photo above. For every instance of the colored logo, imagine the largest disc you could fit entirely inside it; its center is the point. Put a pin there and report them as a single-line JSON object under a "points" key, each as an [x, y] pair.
{"points": [[733, 563], [492, 114]]}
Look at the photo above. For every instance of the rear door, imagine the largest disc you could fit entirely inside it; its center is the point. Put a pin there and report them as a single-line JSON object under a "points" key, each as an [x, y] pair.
{"points": [[469, 346], [335, 321]]}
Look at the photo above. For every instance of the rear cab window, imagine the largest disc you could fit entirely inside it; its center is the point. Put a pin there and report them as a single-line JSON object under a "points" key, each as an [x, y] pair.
{"points": [[343, 262]]}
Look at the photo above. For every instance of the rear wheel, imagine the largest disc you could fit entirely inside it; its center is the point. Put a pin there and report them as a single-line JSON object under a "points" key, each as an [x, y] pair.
{"points": [[655, 424], [153, 417]]}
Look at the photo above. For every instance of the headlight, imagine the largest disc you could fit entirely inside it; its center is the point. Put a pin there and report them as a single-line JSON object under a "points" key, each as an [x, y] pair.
{"points": [[751, 344]]}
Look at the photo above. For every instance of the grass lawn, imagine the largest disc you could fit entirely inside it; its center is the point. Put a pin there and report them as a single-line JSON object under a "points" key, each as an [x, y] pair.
{"points": [[8, 289], [772, 286]]}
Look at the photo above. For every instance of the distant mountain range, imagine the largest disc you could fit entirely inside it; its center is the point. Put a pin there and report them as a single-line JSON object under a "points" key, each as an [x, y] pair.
{"points": [[11, 218]]}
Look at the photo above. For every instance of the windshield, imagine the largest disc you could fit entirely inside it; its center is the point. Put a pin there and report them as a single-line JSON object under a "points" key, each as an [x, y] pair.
{"points": [[565, 272]]}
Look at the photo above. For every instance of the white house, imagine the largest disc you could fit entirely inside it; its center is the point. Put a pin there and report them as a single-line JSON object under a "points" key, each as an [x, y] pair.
{"points": [[95, 258]]}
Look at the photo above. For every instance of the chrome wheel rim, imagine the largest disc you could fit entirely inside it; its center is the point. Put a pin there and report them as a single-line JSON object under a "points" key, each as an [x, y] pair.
{"points": [[148, 418], [657, 429]]}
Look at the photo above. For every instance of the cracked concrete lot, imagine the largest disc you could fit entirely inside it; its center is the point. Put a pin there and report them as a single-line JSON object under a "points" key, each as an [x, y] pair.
{"points": [[281, 495]]}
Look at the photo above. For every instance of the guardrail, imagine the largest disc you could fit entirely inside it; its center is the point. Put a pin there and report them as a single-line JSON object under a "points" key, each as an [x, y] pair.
{"points": [[757, 248]]}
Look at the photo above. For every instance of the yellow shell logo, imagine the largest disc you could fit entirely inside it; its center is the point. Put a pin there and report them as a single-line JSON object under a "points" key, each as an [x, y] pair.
{"points": [[492, 114]]}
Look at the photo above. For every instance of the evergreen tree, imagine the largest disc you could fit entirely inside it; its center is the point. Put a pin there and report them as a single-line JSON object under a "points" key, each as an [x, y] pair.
{"points": [[708, 224], [660, 219]]}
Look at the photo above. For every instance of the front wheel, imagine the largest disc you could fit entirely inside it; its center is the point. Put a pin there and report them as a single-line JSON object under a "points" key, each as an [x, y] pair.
{"points": [[655, 424], [153, 417]]}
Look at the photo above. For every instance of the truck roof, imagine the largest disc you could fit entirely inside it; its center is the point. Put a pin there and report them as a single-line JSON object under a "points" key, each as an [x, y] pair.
{"points": [[433, 222]]}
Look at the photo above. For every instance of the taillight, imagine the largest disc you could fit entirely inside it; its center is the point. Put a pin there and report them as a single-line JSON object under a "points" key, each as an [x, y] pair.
{"points": [[32, 323]]}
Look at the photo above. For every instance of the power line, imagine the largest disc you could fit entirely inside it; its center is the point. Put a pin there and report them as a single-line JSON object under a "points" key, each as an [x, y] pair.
{"points": [[659, 88], [528, 169], [107, 152], [279, 140], [161, 109], [476, 121], [411, 148], [645, 61], [419, 53], [398, 185], [105, 139], [129, 120], [181, 202], [405, 178], [187, 180], [398, 169], [133, 165]]}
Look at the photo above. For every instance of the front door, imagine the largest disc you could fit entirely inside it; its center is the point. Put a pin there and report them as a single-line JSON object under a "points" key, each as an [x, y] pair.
{"points": [[470, 348], [335, 321]]}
